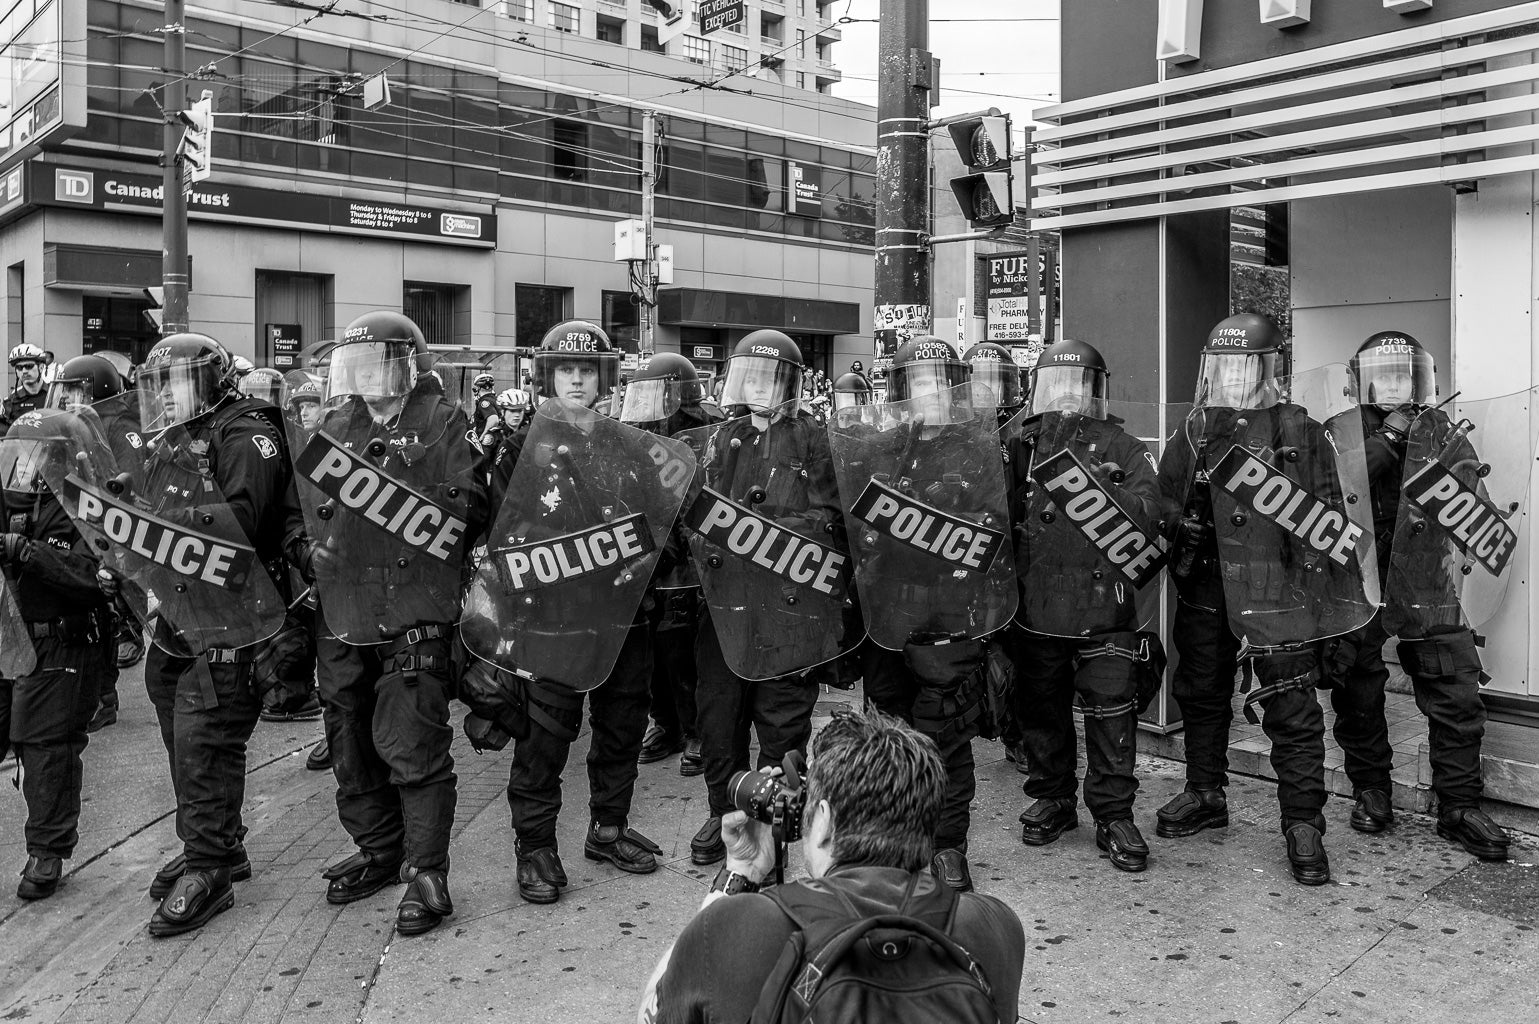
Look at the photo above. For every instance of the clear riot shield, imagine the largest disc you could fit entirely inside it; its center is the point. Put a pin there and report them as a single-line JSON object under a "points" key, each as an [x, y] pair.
{"points": [[17, 655], [587, 514], [387, 503], [169, 530], [1284, 468], [923, 487], [766, 539], [1462, 506], [107, 455], [1088, 551]]}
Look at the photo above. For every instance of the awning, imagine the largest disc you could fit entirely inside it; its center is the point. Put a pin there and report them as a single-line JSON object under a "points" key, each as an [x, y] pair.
{"points": [[699, 307]]}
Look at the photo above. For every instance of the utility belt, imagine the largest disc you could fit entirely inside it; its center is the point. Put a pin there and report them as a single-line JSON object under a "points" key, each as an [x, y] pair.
{"points": [[72, 630], [397, 655]]}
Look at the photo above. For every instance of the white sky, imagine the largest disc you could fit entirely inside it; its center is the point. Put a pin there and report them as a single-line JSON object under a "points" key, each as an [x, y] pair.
{"points": [[1011, 63]]}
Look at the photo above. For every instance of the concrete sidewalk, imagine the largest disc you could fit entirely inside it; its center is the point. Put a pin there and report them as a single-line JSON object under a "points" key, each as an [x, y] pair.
{"points": [[1216, 930]]}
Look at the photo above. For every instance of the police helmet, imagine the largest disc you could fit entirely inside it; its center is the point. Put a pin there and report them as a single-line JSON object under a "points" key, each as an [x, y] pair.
{"points": [[1243, 363], [379, 357], [851, 389], [265, 384], [27, 352], [922, 366], [1391, 369], [484, 382], [121, 363], [584, 350], [84, 380], [996, 378], [763, 372], [659, 389], [1070, 376], [184, 376]]}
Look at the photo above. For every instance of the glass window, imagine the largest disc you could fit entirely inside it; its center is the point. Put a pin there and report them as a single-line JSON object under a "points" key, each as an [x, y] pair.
{"points": [[622, 320], [569, 150], [733, 58], [649, 40], [435, 308], [610, 30], [697, 50], [519, 10], [564, 17], [538, 308]]}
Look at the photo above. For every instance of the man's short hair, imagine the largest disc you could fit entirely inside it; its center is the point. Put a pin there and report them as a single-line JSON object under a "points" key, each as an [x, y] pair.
{"points": [[884, 783]]}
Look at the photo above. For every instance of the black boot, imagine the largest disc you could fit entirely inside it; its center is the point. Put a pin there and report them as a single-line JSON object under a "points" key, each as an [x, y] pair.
{"points": [[540, 874], [320, 756], [627, 850], [1474, 830], [195, 898], [40, 878], [707, 847], [1306, 853], [950, 866], [1372, 812], [1191, 811], [658, 744], [425, 903], [1124, 844], [1047, 819], [174, 868], [360, 876]]}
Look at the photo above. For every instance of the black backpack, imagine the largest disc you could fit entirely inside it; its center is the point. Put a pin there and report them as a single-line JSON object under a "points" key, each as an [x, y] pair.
{"points": [[841, 965]]}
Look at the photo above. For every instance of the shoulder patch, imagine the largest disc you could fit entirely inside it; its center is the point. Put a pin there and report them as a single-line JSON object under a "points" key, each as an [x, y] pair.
{"points": [[134, 439], [264, 444]]}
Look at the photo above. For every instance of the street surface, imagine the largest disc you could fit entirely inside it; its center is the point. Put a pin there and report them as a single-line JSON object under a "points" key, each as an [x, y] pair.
{"points": [[1216, 931]]}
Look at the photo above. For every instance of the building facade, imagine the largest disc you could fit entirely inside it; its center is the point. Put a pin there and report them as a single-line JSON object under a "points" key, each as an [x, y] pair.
{"points": [[480, 199], [1375, 158]]}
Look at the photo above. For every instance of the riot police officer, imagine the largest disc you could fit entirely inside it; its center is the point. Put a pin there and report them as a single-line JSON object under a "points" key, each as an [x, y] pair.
{"points": [[1076, 626], [45, 709], [664, 397], [1243, 403], [782, 451], [29, 361], [577, 364], [385, 617], [850, 390], [1396, 389], [205, 439], [92, 381], [996, 377], [931, 673]]}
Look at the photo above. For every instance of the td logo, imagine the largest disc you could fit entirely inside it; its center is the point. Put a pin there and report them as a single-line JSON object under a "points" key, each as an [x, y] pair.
{"points": [[74, 186]]}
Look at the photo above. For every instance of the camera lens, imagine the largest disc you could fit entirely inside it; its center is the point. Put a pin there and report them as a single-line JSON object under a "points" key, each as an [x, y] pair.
{"points": [[754, 794]]}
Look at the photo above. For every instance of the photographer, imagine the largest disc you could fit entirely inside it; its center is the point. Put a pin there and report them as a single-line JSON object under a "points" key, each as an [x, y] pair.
{"points": [[872, 804]]}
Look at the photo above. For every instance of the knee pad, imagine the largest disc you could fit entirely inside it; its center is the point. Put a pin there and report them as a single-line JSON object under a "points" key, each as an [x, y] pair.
{"points": [[1443, 655]]}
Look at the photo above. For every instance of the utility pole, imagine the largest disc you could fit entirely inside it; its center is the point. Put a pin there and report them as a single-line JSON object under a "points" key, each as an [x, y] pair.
{"points": [[902, 175], [173, 272], [648, 213]]}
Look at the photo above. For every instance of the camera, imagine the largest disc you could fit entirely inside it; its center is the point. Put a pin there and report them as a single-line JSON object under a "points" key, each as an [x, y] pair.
{"points": [[775, 800]]}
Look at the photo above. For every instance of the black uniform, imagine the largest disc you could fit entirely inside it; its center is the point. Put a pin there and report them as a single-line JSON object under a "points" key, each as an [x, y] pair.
{"points": [[386, 705], [1203, 683], [207, 707], [617, 708], [19, 401], [44, 714], [1444, 667], [1051, 669]]}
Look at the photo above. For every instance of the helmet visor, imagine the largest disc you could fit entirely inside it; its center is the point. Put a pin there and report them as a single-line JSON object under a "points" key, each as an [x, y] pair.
{"points": [[68, 394], [760, 382], [1237, 380], [371, 369], [264, 387], [1393, 375], [996, 383], [25, 463], [651, 401], [925, 378], [581, 377], [175, 392], [851, 399], [1070, 389]]}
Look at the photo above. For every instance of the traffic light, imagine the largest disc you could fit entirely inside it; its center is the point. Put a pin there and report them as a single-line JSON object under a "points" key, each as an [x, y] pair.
{"points": [[198, 139], [156, 312], [984, 192]]}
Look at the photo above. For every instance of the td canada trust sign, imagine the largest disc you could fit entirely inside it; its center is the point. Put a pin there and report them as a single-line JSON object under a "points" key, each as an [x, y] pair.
{"points": [[129, 192]]}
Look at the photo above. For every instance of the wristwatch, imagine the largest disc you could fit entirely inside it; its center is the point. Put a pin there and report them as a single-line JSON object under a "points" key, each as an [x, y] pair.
{"points": [[731, 883]]}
